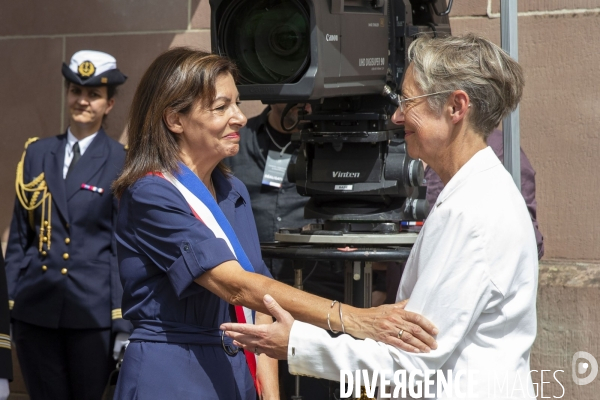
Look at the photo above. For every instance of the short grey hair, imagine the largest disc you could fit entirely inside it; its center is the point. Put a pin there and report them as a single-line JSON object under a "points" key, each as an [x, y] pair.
{"points": [[492, 79]]}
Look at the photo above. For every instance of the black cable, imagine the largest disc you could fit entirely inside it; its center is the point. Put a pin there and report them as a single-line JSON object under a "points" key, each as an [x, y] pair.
{"points": [[442, 14], [432, 26], [285, 112]]}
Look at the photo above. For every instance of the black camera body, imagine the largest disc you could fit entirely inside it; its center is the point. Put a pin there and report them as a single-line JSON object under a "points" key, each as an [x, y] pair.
{"points": [[346, 58], [295, 50]]}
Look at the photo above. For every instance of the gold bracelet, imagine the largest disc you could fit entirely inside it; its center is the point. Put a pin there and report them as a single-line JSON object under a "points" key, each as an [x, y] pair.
{"points": [[329, 323], [341, 320]]}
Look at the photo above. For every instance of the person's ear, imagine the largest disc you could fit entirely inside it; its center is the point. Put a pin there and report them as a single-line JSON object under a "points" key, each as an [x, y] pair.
{"points": [[173, 121], [459, 105], [110, 104]]}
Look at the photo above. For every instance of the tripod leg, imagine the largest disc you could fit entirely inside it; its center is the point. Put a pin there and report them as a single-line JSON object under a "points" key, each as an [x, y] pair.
{"points": [[358, 283]]}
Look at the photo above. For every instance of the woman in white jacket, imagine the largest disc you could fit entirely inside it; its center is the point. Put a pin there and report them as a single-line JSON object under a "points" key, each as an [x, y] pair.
{"points": [[473, 268]]}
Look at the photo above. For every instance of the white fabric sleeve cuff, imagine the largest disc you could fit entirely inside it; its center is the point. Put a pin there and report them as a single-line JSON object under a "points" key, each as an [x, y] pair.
{"points": [[313, 352], [304, 354]]}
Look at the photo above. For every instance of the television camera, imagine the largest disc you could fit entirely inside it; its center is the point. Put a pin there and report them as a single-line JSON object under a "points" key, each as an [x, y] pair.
{"points": [[346, 58]]}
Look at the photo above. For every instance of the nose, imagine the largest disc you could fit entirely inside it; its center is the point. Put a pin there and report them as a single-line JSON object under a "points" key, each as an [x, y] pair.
{"points": [[238, 117], [398, 117], [83, 99]]}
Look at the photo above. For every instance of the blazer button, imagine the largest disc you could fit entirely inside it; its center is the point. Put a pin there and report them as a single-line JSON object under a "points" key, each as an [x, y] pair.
{"points": [[67, 240], [66, 256], [44, 253], [63, 271], [44, 268], [45, 239], [46, 223]]}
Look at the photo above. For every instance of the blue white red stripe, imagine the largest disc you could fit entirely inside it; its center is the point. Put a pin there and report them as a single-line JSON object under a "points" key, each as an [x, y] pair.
{"points": [[206, 209], [92, 188], [411, 223]]}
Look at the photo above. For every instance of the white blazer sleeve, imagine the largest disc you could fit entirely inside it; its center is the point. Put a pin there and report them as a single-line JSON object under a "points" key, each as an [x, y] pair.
{"points": [[452, 287]]}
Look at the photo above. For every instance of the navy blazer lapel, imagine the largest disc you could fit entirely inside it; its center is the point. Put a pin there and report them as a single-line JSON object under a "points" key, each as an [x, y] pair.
{"points": [[54, 162], [89, 164]]}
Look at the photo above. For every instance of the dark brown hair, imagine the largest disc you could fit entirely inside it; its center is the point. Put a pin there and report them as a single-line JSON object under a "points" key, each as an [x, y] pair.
{"points": [[174, 82], [111, 90]]}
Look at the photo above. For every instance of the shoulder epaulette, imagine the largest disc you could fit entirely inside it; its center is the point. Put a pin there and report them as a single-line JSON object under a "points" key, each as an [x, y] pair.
{"points": [[31, 140]]}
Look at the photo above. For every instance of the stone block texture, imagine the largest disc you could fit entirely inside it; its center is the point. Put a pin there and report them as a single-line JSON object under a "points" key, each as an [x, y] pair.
{"points": [[73, 17], [568, 322], [560, 115]]}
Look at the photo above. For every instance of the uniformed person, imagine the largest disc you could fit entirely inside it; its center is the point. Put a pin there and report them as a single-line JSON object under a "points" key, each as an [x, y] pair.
{"points": [[61, 265]]}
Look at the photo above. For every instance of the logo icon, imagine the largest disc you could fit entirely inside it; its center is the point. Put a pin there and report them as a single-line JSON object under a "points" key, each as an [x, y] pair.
{"points": [[340, 174], [580, 367], [86, 69]]}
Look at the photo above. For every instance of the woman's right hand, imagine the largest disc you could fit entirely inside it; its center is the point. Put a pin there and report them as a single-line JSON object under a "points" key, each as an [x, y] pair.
{"points": [[236, 286], [392, 324]]}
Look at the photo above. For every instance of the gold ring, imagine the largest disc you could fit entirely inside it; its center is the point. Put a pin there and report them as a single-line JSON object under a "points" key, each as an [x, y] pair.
{"points": [[400, 332]]}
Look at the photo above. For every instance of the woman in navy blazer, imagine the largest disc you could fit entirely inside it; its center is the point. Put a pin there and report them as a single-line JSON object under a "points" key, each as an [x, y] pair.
{"points": [[61, 263]]}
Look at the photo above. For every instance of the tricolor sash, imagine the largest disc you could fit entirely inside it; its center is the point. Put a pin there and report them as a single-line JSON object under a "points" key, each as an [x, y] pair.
{"points": [[205, 208]]}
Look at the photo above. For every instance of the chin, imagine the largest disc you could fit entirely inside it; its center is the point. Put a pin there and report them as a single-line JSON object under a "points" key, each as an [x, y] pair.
{"points": [[411, 152], [80, 119], [232, 151]]}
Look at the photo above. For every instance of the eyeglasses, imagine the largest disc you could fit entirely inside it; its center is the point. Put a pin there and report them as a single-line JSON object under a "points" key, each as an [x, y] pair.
{"points": [[403, 100]]}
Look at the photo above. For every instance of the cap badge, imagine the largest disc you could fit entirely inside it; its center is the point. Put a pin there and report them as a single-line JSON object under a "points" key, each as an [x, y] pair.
{"points": [[86, 69]]}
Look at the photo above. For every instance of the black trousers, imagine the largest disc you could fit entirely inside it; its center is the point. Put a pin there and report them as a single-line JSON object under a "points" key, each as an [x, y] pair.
{"points": [[69, 364]]}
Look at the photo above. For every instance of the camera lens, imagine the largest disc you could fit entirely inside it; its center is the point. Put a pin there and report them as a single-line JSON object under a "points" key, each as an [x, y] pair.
{"points": [[269, 40]]}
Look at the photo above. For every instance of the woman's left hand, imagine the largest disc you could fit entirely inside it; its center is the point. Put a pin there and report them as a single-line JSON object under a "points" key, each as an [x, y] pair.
{"points": [[392, 324], [270, 339]]}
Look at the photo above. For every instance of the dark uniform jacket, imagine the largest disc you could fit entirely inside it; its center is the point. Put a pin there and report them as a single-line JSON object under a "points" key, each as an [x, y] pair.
{"points": [[6, 371], [73, 283]]}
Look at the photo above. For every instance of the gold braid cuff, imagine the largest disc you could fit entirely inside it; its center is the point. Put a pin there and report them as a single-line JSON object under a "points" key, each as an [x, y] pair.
{"points": [[116, 313], [33, 195], [5, 341]]}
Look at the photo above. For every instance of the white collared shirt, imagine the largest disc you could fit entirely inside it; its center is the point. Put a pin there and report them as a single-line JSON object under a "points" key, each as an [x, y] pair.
{"points": [[83, 145], [473, 273]]}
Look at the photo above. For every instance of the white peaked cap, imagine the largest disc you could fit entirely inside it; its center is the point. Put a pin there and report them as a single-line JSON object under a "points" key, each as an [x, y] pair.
{"points": [[102, 61]]}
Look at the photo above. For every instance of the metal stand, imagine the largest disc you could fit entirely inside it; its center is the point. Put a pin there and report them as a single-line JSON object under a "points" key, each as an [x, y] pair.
{"points": [[298, 285], [358, 267], [358, 274]]}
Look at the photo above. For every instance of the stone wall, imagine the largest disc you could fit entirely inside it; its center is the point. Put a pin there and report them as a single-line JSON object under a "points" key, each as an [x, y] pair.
{"points": [[560, 115]]}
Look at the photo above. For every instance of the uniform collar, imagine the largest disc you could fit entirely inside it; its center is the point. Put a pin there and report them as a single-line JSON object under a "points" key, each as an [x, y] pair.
{"points": [[83, 143], [482, 160]]}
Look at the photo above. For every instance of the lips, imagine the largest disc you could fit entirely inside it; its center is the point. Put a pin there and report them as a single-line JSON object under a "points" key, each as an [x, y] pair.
{"points": [[234, 135]]}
